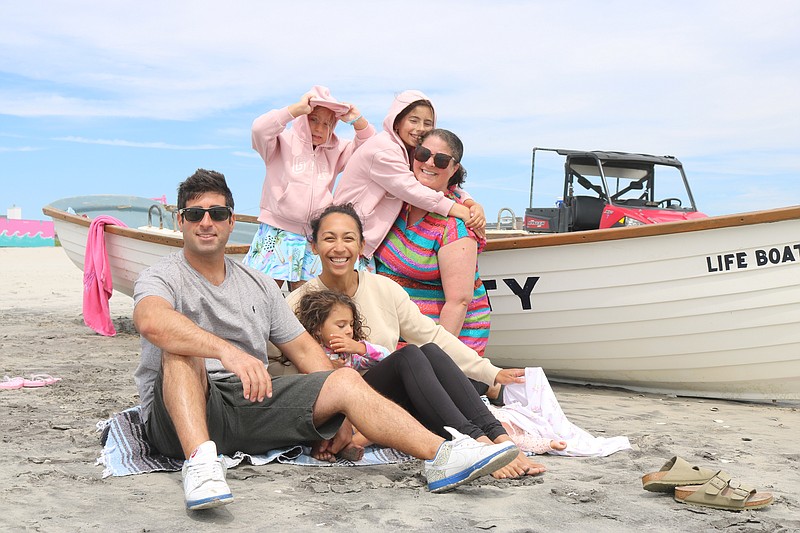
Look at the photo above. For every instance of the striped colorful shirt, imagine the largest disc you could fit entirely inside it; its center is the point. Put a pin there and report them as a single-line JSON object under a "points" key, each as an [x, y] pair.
{"points": [[408, 255]]}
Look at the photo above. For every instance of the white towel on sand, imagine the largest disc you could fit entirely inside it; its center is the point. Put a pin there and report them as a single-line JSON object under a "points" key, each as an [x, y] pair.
{"points": [[533, 407]]}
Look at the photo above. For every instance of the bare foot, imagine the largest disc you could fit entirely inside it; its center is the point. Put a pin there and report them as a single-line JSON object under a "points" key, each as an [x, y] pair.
{"points": [[522, 465], [351, 452], [328, 457], [322, 455]]}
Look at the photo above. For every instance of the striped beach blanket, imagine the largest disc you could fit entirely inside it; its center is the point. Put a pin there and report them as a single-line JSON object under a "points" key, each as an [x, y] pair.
{"points": [[126, 452]]}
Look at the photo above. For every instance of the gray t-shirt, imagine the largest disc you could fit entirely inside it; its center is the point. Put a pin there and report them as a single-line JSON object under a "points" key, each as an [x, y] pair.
{"points": [[247, 310]]}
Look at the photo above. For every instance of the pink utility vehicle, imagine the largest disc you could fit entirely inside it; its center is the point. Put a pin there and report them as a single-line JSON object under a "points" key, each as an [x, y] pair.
{"points": [[611, 190]]}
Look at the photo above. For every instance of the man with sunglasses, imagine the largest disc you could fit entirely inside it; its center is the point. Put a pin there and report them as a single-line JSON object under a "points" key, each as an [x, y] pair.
{"points": [[205, 321]]}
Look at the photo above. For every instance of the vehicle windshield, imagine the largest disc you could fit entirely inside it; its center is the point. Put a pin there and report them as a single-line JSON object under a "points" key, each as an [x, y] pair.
{"points": [[632, 184]]}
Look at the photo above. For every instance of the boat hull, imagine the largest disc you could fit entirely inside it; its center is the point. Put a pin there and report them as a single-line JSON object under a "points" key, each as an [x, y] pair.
{"points": [[693, 308]]}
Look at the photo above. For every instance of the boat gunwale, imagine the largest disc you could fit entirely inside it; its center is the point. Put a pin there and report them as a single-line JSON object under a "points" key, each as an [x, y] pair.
{"points": [[631, 232], [501, 243], [141, 235]]}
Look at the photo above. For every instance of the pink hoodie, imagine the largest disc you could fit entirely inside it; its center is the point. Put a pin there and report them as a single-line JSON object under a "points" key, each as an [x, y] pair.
{"points": [[378, 179], [299, 179]]}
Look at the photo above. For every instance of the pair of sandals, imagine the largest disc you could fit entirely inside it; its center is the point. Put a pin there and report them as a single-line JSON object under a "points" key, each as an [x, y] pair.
{"points": [[694, 485], [32, 382]]}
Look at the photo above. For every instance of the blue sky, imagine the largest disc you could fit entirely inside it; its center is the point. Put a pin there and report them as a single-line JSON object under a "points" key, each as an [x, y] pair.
{"points": [[132, 97]]}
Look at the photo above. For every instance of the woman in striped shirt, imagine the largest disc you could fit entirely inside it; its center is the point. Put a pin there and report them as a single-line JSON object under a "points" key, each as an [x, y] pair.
{"points": [[433, 257]]}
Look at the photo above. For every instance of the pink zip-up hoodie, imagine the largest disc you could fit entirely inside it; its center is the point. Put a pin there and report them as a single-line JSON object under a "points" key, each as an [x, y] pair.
{"points": [[378, 179], [300, 178]]}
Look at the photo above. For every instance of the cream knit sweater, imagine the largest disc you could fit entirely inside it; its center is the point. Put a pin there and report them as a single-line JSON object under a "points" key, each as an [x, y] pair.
{"points": [[390, 314]]}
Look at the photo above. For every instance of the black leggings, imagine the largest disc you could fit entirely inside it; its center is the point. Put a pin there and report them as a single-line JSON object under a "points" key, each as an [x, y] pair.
{"points": [[427, 383]]}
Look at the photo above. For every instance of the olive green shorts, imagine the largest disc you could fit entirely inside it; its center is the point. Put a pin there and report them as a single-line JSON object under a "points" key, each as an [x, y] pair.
{"points": [[236, 424]]}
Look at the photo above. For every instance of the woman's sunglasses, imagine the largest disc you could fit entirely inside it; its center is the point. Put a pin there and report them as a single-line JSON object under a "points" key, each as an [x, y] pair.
{"points": [[441, 160], [196, 214]]}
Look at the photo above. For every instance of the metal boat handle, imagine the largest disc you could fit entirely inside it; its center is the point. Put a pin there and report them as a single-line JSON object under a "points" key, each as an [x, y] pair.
{"points": [[513, 217], [160, 216]]}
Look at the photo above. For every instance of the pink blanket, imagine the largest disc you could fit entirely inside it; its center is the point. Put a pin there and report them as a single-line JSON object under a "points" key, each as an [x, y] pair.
{"points": [[97, 286]]}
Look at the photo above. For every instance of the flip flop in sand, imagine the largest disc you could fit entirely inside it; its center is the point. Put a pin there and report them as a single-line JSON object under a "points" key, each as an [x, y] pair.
{"points": [[676, 472], [720, 492], [39, 380], [11, 383]]}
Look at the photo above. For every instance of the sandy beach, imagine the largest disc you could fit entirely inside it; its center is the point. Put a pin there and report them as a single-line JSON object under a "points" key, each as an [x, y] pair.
{"points": [[49, 480]]}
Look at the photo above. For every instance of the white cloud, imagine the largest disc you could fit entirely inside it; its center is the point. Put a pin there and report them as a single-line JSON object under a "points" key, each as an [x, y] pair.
{"points": [[249, 155], [138, 144], [713, 82], [18, 149], [513, 60]]}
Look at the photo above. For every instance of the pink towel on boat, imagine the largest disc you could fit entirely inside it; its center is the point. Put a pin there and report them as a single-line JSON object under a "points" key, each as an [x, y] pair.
{"points": [[97, 286]]}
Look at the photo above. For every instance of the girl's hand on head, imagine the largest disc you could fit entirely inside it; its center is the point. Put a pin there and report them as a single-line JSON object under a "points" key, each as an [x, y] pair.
{"points": [[354, 116], [350, 115], [303, 107]]}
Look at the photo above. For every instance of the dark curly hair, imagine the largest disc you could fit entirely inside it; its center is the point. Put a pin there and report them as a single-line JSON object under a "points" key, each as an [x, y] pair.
{"points": [[457, 151], [314, 308], [342, 209]]}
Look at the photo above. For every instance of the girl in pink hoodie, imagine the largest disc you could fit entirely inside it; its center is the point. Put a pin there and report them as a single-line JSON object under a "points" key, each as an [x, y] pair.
{"points": [[302, 163], [378, 178]]}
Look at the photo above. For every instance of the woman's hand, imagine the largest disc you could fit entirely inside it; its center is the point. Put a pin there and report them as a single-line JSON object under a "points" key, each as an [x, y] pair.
{"points": [[507, 376], [342, 344]]}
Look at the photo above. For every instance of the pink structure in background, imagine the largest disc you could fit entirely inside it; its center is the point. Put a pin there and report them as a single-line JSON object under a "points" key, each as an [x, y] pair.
{"points": [[26, 233]]}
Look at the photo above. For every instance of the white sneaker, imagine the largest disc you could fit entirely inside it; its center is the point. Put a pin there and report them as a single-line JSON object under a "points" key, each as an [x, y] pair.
{"points": [[204, 484], [463, 459]]}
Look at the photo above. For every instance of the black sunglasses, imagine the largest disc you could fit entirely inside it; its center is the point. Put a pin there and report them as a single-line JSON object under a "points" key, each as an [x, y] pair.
{"points": [[196, 214], [441, 160]]}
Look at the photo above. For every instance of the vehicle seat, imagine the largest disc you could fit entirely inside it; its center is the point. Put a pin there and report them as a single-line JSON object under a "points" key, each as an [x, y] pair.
{"points": [[586, 212]]}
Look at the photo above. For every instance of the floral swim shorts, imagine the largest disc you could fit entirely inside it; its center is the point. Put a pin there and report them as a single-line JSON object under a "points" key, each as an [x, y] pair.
{"points": [[366, 264], [282, 255]]}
